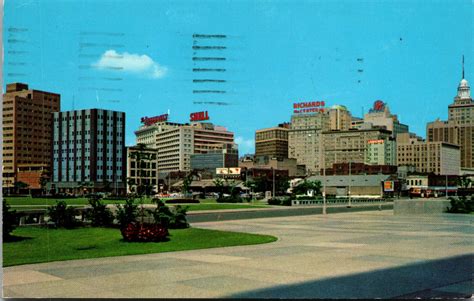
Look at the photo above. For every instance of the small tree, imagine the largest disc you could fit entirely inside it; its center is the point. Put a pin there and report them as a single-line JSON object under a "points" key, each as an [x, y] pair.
{"points": [[305, 186], [187, 183], [99, 215], [128, 212], [20, 185], [62, 215], [9, 221], [219, 183]]}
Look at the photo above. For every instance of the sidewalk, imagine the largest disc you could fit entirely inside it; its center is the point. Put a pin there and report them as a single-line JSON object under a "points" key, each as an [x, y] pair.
{"points": [[347, 255]]}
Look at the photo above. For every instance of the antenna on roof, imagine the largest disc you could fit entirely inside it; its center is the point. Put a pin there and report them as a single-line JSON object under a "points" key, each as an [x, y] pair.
{"points": [[463, 66]]}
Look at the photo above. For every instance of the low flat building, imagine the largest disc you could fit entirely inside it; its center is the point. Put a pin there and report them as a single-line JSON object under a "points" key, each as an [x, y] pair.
{"points": [[357, 185], [266, 162]]}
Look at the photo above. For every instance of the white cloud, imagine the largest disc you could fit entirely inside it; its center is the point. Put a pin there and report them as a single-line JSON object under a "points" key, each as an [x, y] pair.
{"points": [[130, 62], [244, 144]]}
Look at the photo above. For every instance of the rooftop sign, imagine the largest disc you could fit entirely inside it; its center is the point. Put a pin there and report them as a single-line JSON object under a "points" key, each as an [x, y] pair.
{"points": [[308, 107], [153, 120], [379, 106], [199, 116]]}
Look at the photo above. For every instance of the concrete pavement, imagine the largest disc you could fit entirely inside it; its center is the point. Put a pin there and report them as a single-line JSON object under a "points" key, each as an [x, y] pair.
{"points": [[347, 255]]}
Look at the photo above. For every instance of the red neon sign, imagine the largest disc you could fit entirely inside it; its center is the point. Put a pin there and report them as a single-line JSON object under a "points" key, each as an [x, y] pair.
{"points": [[309, 107], [199, 116], [153, 120]]}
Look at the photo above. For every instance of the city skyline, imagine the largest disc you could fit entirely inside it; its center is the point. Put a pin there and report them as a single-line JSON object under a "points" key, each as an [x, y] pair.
{"points": [[408, 55]]}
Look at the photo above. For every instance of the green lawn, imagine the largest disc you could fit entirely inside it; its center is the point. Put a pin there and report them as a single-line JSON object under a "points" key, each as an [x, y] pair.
{"points": [[46, 245], [219, 206], [27, 203]]}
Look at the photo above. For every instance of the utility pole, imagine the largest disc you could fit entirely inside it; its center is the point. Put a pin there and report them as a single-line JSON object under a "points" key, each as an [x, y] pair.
{"points": [[322, 163], [446, 183], [349, 192], [273, 170]]}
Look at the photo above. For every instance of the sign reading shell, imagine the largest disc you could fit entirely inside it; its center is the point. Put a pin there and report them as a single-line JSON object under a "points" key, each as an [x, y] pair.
{"points": [[199, 116]]}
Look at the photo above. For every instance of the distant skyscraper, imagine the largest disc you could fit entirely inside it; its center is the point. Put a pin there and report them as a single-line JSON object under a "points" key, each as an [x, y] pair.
{"points": [[272, 142], [176, 142], [440, 158], [459, 128], [27, 135], [340, 118], [89, 151], [380, 116], [304, 139]]}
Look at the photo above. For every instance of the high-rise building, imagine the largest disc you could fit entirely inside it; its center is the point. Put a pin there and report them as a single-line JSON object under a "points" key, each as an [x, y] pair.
{"points": [[340, 118], [142, 172], [381, 152], [176, 142], [304, 139], [349, 146], [272, 142], [440, 158], [89, 151], [459, 128], [380, 116], [27, 135]]}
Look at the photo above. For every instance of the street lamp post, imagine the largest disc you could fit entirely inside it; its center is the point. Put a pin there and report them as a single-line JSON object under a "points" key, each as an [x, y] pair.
{"points": [[273, 170], [349, 192], [323, 164]]}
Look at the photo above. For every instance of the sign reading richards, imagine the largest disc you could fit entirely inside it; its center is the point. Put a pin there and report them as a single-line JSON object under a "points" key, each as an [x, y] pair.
{"points": [[308, 107]]}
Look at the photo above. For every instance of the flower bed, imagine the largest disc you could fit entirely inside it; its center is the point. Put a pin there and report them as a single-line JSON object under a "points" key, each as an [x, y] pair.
{"points": [[144, 232]]}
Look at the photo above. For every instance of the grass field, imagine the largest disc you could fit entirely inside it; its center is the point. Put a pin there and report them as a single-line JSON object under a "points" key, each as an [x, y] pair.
{"points": [[35, 244], [27, 203]]}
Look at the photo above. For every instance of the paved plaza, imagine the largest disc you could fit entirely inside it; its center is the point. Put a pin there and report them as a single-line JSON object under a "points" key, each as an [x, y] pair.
{"points": [[345, 255]]}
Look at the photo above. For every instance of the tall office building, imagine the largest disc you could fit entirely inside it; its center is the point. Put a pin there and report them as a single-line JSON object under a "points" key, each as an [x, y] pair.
{"points": [[380, 116], [89, 151], [440, 158], [381, 152], [304, 139], [176, 142], [27, 135], [459, 128], [272, 142], [349, 146], [340, 118]]}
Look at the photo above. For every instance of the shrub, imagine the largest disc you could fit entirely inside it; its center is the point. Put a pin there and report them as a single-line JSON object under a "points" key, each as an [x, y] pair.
{"points": [[127, 213], [180, 221], [279, 201], [99, 215], [9, 221], [144, 232], [62, 215], [181, 201], [174, 219], [461, 204], [162, 214], [229, 199]]}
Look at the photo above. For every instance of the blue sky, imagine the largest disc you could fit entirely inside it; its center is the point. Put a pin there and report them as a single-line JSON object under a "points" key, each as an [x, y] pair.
{"points": [[278, 52]]}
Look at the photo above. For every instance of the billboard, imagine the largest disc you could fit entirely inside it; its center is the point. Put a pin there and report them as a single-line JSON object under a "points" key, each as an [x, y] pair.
{"points": [[388, 186], [151, 120], [222, 171], [234, 170], [199, 116], [308, 107]]}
